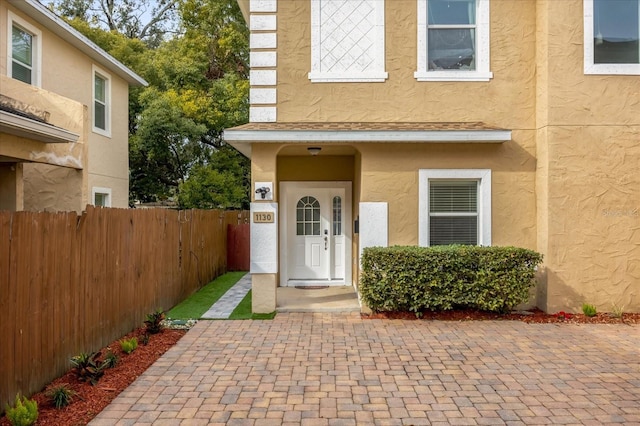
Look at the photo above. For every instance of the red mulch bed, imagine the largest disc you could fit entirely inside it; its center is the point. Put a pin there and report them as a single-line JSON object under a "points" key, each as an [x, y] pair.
{"points": [[532, 316], [90, 400]]}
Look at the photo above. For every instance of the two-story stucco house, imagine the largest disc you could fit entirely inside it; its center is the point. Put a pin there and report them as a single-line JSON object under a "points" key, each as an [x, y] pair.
{"points": [[427, 122], [63, 115]]}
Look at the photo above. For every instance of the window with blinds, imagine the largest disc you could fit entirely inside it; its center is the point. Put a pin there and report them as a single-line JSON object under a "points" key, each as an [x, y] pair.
{"points": [[453, 212], [22, 55]]}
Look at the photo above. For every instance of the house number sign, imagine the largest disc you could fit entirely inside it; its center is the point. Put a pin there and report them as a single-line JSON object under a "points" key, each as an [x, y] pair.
{"points": [[262, 217]]}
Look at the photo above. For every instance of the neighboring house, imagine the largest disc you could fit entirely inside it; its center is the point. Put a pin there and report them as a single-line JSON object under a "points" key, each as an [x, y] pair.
{"points": [[425, 122], [63, 115]]}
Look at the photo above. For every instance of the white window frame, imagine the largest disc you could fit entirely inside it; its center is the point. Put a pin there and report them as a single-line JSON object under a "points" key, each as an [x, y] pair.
{"points": [[36, 67], [107, 78], [317, 75], [99, 190], [483, 176], [482, 71], [600, 69]]}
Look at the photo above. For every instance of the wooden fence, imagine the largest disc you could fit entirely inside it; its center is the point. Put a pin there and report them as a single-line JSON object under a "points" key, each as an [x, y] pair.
{"points": [[71, 284]]}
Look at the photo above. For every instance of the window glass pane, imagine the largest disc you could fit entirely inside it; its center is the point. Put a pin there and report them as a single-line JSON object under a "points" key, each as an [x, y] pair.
{"points": [[20, 72], [452, 12], [100, 116], [337, 216], [22, 46], [100, 199], [308, 216], [453, 197], [100, 89], [452, 49], [616, 31], [453, 230]]}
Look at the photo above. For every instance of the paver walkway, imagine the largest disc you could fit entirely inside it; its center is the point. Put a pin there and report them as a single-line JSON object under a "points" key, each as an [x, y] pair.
{"points": [[230, 300], [338, 369]]}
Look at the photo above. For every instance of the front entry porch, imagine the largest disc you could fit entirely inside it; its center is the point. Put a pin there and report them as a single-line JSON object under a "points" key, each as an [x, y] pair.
{"points": [[326, 299]]}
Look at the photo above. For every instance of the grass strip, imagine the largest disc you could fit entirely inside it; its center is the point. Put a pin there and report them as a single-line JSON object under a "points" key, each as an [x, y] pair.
{"points": [[243, 311], [198, 303]]}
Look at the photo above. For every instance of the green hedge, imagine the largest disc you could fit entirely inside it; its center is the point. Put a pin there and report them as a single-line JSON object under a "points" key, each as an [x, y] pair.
{"points": [[418, 279]]}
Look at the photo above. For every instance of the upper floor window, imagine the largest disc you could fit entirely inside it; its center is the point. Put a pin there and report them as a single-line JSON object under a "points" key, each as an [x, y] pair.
{"points": [[612, 37], [347, 41], [24, 51], [453, 40], [101, 102]]}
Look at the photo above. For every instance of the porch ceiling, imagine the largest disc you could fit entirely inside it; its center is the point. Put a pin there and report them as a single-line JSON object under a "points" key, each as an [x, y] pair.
{"points": [[242, 137]]}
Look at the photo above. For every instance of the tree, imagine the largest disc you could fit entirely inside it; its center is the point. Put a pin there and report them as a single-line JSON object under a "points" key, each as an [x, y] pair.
{"points": [[148, 21], [165, 147], [198, 86]]}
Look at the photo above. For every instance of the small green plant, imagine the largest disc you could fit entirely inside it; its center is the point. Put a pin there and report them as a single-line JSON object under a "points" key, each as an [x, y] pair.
{"points": [[88, 367], [154, 322], [617, 311], [589, 310], [61, 395], [145, 339], [111, 359], [23, 413], [129, 345]]}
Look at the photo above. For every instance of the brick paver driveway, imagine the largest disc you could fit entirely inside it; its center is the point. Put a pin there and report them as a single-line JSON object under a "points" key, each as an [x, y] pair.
{"points": [[336, 369]]}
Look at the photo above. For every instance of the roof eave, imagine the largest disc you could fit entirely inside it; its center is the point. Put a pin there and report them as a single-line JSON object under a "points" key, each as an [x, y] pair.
{"points": [[63, 30], [388, 136], [32, 129]]}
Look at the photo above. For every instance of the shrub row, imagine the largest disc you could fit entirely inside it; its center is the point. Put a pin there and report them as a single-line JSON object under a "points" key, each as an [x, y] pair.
{"points": [[418, 279]]}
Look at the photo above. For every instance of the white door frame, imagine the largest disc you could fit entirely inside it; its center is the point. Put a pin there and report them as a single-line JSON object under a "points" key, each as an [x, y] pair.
{"points": [[286, 188]]}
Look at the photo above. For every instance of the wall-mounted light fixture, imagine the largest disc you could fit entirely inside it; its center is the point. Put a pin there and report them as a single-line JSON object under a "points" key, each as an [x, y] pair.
{"points": [[314, 150]]}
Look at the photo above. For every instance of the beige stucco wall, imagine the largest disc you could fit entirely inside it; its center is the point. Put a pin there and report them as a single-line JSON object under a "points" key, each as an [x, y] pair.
{"points": [[588, 181], [566, 185], [46, 176], [507, 101], [69, 73]]}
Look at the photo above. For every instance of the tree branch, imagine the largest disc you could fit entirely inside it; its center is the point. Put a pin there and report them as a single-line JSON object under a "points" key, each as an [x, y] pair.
{"points": [[159, 16]]}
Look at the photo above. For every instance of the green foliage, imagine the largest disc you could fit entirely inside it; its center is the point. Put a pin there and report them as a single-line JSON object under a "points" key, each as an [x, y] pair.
{"points": [[589, 310], [208, 188], [61, 395], [88, 367], [153, 322], [415, 279], [110, 360], [617, 311], [198, 86], [129, 345], [23, 413]]}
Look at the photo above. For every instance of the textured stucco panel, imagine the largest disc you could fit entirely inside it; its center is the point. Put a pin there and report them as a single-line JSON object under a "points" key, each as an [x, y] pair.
{"points": [[51, 188], [389, 172], [594, 217], [508, 100], [263, 293], [576, 98], [60, 111]]}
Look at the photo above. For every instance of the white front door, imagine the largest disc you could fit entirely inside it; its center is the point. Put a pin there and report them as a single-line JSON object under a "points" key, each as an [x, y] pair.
{"points": [[316, 224]]}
